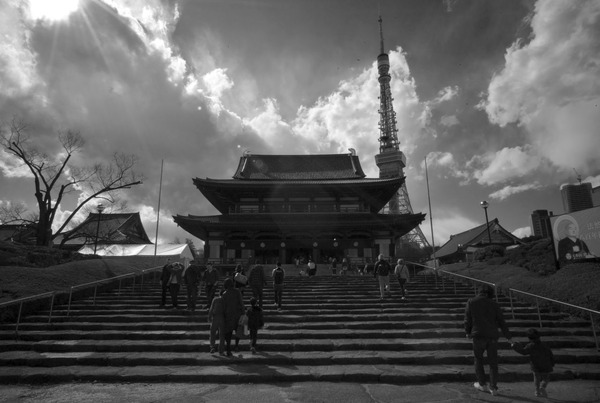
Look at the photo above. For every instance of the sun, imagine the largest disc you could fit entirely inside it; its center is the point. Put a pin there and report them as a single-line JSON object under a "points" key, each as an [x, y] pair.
{"points": [[52, 10]]}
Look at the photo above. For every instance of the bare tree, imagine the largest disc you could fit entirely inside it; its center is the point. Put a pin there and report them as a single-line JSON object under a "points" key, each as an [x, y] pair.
{"points": [[15, 213], [54, 177]]}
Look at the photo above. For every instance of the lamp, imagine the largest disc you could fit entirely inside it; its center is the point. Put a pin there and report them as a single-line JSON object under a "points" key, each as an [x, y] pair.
{"points": [[100, 209], [485, 205]]}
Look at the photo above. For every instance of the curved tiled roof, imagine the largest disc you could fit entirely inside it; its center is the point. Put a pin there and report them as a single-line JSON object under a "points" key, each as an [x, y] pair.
{"points": [[299, 167]]}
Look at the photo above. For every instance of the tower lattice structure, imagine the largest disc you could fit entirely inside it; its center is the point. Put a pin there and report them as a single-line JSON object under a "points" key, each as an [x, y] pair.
{"points": [[390, 160]]}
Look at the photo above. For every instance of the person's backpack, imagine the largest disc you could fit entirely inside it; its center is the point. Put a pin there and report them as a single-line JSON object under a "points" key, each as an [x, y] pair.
{"points": [[278, 276], [383, 269]]}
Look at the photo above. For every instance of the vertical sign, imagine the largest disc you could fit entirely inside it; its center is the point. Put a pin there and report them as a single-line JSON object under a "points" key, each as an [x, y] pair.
{"points": [[576, 235]]}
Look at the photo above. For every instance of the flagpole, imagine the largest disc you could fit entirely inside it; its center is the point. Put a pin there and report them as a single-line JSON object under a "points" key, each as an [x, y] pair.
{"points": [[158, 210], [430, 216]]}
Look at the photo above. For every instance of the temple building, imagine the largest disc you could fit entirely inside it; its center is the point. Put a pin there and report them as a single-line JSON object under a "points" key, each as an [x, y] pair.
{"points": [[283, 207]]}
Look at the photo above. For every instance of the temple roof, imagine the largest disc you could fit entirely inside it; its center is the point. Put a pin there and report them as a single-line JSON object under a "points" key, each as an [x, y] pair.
{"points": [[199, 226], [223, 193], [299, 167]]}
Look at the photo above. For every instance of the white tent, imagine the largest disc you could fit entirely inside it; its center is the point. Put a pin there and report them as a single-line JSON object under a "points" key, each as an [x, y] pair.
{"points": [[177, 252]]}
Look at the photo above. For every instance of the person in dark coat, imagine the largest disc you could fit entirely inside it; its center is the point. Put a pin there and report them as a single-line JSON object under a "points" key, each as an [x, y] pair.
{"points": [[164, 279], [541, 360], [483, 317], [211, 277], [233, 308], [191, 277], [257, 281], [174, 282], [240, 280], [216, 317]]}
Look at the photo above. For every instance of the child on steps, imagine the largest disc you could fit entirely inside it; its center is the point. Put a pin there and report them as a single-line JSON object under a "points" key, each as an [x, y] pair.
{"points": [[541, 360]]}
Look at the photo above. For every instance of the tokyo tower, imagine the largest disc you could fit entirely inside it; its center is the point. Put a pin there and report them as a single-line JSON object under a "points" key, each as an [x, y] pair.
{"points": [[390, 160]]}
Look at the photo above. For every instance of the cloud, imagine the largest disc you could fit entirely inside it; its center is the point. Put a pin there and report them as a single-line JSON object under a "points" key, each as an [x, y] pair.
{"points": [[449, 120], [347, 118], [551, 85], [444, 95], [508, 163], [522, 232], [447, 163], [508, 191]]}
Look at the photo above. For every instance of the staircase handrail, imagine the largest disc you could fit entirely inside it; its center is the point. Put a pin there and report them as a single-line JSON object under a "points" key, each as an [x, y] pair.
{"points": [[53, 294], [591, 312]]}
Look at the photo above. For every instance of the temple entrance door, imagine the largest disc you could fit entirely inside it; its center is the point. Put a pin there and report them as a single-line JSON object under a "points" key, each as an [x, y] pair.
{"points": [[327, 254], [266, 256], [302, 253]]}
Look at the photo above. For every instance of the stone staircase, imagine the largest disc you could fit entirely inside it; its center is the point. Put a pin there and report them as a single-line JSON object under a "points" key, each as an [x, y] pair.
{"points": [[331, 329]]}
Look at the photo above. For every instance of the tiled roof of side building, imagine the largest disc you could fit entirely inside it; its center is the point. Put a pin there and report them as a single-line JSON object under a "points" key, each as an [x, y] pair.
{"points": [[299, 167]]}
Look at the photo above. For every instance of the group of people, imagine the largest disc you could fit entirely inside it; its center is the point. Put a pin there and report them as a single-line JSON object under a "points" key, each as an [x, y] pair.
{"points": [[174, 274], [382, 272], [228, 317]]}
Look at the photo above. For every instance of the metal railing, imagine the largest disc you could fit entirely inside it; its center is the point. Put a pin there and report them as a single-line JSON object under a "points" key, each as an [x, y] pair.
{"points": [[89, 285], [537, 298], [554, 301]]}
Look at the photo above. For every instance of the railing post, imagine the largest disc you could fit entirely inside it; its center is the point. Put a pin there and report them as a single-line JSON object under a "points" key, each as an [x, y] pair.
{"points": [[95, 291], [18, 321], [594, 331], [496, 292], [133, 285], [454, 282], [537, 303], [142, 282], [119, 287], [512, 310], [51, 307], [69, 306]]}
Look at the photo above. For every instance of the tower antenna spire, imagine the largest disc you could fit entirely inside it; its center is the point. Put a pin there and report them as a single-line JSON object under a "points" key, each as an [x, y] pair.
{"points": [[380, 32]]}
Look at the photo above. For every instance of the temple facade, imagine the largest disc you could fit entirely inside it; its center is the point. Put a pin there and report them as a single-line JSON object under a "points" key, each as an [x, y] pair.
{"points": [[288, 207]]}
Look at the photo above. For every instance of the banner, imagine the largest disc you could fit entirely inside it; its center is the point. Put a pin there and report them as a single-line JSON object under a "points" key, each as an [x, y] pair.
{"points": [[576, 235]]}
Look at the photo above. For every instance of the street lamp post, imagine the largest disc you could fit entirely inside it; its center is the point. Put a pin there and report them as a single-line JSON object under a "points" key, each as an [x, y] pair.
{"points": [[100, 209], [485, 205]]}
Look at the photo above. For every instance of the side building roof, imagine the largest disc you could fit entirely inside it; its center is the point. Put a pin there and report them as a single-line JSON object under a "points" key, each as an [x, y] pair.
{"points": [[477, 236], [120, 228]]}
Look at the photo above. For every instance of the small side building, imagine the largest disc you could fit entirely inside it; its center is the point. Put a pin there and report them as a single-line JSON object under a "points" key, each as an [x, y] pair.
{"points": [[106, 229], [461, 247]]}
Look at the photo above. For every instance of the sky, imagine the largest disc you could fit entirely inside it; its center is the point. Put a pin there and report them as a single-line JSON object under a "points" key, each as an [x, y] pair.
{"points": [[500, 99]]}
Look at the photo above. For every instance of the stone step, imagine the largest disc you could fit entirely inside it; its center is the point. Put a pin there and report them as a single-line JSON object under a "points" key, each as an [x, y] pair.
{"points": [[272, 333], [233, 371], [331, 328], [518, 328], [127, 359], [199, 344]]}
